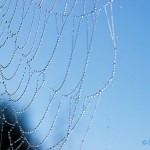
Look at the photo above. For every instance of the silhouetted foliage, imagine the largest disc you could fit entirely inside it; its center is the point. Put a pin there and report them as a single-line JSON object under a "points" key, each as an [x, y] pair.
{"points": [[11, 136]]}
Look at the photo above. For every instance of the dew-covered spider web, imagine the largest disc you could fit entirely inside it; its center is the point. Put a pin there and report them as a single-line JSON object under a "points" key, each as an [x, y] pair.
{"points": [[56, 59]]}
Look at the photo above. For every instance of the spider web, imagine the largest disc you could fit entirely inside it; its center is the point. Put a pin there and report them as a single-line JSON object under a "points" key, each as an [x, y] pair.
{"points": [[50, 68]]}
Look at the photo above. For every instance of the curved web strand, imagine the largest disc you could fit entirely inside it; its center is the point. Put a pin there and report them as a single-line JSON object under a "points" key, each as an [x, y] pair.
{"points": [[50, 78]]}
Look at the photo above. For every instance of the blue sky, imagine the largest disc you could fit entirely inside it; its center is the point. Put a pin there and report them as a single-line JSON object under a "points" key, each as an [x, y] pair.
{"points": [[127, 100], [122, 118]]}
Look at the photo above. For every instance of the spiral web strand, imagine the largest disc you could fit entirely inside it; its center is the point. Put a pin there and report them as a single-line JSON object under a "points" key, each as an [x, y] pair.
{"points": [[41, 42]]}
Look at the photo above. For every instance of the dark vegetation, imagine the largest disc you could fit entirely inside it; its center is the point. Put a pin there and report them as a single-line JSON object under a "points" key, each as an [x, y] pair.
{"points": [[11, 136]]}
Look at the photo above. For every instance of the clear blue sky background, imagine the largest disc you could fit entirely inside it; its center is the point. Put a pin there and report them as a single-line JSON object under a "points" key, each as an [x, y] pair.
{"points": [[122, 120]]}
